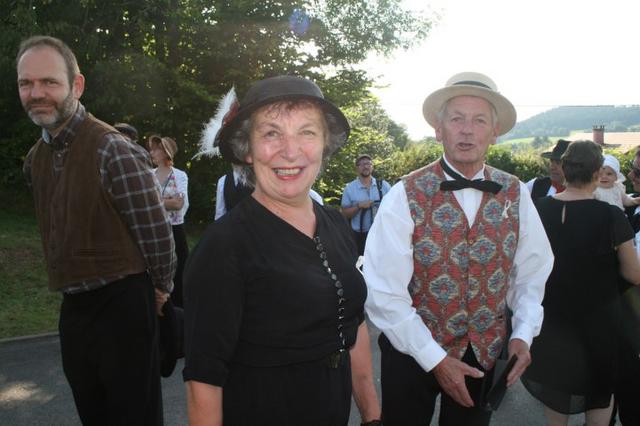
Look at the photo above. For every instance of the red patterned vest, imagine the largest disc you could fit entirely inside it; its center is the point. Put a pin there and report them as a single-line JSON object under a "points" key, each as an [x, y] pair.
{"points": [[461, 274]]}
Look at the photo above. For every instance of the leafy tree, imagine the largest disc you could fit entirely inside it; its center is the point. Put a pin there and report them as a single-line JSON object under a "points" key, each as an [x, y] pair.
{"points": [[414, 156], [524, 166], [370, 134], [162, 64]]}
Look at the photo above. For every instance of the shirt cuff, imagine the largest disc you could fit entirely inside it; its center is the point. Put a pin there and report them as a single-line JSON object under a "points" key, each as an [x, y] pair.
{"points": [[163, 285], [430, 355], [522, 332]]}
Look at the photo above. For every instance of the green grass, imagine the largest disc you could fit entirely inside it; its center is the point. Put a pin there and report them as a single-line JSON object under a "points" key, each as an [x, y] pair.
{"points": [[26, 304]]}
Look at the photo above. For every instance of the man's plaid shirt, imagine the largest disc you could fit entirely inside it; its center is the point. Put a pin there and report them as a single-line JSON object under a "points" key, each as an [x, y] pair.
{"points": [[126, 173]]}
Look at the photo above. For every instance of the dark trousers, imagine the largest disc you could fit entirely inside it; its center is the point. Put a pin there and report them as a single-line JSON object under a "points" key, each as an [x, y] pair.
{"points": [[361, 239], [409, 393], [108, 340], [182, 252], [627, 398]]}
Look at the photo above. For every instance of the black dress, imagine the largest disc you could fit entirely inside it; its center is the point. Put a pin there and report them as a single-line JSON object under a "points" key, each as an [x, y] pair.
{"points": [[574, 358], [263, 317]]}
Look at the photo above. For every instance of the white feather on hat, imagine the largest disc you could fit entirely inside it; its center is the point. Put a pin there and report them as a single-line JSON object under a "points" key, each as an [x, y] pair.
{"points": [[211, 129]]}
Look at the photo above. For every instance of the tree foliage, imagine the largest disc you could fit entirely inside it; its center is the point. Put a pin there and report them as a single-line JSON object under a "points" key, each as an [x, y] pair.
{"points": [[161, 65], [370, 134]]}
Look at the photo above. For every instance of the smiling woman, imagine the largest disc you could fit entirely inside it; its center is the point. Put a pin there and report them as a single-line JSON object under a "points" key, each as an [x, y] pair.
{"points": [[287, 141], [274, 304]]}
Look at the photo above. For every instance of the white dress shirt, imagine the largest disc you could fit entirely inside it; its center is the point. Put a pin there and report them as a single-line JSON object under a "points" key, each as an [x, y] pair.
{"points": [[388, 269], [552, 189], [221, 207], [637, 239]]}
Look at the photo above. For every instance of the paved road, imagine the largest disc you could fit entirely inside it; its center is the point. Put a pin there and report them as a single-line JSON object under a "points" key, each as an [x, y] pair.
{"points": [[34, 392]]}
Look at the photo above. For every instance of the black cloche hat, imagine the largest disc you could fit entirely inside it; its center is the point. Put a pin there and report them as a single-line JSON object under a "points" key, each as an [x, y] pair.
{"points": [[269, 91]]}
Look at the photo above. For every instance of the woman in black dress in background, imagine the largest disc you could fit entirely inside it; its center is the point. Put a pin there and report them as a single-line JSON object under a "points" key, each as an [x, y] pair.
{"points": [[573, 358], [274, 319]]}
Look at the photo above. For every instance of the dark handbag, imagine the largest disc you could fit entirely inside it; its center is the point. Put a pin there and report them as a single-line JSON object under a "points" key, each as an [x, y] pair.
{"points": [[498, 389]]}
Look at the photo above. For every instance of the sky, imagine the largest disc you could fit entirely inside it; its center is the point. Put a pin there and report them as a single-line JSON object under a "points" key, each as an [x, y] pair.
{"points": [[541, 54]]}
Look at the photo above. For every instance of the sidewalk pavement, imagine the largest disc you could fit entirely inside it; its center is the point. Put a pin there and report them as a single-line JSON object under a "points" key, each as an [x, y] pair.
{"points": [[34, 391]]}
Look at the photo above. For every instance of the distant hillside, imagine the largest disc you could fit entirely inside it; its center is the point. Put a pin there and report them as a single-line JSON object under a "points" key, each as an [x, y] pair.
{"points": [[562, 121]]}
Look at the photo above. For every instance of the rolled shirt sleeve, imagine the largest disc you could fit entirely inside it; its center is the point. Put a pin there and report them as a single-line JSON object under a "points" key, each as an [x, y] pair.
{"points": [[128, 176]]}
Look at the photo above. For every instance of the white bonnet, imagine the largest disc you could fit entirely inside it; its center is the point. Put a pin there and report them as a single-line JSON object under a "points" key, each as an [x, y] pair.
{"points": [[611, 161]]}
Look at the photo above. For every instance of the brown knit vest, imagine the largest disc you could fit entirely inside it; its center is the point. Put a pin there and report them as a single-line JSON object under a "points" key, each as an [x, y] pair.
{"points": [[83, 235]]}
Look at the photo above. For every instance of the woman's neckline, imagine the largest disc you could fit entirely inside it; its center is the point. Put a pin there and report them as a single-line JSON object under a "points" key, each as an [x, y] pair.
{"points": [[285, 218]]}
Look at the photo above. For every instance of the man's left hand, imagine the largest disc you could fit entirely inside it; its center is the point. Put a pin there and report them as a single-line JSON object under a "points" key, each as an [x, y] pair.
{"points": [[161, 299], [519, 348]]}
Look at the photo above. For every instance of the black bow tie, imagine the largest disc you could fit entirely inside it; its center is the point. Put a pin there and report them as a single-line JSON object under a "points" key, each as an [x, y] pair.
{"points": [[461, 182]]}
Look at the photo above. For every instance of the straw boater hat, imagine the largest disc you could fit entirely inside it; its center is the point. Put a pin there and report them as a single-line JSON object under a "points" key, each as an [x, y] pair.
{"points": [[471, 84], [231, 113]]}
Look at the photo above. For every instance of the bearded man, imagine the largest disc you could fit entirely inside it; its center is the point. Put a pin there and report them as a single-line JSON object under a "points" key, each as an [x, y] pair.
{"points": [[107, 243]]}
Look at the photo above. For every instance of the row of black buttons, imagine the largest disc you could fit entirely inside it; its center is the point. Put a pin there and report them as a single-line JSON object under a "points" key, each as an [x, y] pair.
{"points": [[339, 290]]}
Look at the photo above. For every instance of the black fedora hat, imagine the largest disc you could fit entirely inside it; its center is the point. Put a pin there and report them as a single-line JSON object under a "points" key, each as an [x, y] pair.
{"points": [[558, 150], [272, 90]]}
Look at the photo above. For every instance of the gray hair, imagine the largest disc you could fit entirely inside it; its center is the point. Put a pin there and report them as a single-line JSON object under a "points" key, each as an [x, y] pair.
{"points": [[443, 109], [239, 141], [58, 45]]}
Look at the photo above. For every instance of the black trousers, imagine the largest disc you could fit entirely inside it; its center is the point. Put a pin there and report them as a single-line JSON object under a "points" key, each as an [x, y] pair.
{"points": [[361, 239], [182, 252], [409, 393], [626, 395], [108, 340]]}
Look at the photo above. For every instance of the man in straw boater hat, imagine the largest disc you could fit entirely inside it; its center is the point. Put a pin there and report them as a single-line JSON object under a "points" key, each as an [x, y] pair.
{"points": [[453, 246], [554, 183]]}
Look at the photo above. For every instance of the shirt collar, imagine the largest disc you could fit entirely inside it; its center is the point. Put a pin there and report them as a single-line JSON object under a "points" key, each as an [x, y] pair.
{"points": [[373, 182], [65, 136], [479, 175]]}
